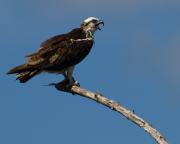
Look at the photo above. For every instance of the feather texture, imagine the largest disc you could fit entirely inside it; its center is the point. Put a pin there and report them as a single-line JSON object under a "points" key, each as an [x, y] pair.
{"points": [[56, 54]]}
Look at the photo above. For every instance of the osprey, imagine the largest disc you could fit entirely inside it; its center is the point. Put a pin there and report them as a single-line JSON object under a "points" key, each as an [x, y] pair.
{"points": [[60, 53]]}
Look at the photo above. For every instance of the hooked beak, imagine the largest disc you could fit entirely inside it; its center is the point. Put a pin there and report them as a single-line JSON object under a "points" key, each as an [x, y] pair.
{"points": [[99, 24]]}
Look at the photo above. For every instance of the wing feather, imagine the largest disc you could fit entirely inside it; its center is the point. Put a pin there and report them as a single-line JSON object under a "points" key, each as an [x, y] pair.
{"points": [[61, 51]]}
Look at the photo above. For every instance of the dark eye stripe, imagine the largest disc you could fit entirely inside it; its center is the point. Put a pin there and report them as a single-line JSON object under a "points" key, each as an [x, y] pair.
{"points": [[94, 21], [87, 23]]}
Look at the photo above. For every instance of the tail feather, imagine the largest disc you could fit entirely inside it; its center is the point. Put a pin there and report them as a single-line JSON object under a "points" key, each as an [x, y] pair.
{"points": [[20, 69], [25, 76], [24, 72]]}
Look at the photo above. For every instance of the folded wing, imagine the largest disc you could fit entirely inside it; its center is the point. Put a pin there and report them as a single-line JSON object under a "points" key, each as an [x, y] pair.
{"points": [[61, 51]]}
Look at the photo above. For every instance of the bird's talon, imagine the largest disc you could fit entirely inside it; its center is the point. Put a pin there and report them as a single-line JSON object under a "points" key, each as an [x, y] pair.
{"points": [[76, 83]]}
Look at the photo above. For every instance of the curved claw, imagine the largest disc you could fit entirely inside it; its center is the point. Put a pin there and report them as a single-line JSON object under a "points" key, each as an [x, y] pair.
{"points": [[76, 83], [65, 85]]}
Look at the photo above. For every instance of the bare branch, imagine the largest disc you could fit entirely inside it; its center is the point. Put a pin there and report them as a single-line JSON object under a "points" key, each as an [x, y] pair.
{"points": [[157, 136]]}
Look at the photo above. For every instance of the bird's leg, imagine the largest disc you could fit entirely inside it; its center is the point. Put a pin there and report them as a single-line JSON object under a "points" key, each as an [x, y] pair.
{"points": [[70, 77], [65, 74]]}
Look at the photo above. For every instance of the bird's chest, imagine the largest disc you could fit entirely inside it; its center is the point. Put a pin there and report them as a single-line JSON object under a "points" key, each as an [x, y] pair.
{"points": [[79, 50]]}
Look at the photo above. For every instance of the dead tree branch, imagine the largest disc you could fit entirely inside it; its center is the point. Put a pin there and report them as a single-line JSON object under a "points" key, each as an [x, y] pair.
{"points": [[157, 136]]}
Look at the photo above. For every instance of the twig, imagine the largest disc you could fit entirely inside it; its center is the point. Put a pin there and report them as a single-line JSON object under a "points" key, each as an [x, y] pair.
{"points": [[157, 136]]}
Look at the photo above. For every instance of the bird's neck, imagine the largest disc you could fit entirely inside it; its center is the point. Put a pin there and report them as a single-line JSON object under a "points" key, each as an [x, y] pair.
{"points": [[89, 33]]}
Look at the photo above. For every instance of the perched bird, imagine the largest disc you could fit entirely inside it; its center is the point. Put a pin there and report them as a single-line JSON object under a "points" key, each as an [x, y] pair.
{"points": [[60, 53]]}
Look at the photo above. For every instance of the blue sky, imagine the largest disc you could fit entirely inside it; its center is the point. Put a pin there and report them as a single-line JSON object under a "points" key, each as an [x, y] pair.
{"points": [[135, 60]]}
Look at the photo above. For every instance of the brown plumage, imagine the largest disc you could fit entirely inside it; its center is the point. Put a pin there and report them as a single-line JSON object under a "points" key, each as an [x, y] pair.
{"points": [[57, 54]]}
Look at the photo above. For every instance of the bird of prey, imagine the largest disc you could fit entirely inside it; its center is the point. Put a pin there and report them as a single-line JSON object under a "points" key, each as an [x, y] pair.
{"points": [[60, 53]]}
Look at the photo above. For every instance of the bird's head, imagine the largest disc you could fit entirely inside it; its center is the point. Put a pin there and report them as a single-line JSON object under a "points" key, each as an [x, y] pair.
{"points": [[92, 24]]}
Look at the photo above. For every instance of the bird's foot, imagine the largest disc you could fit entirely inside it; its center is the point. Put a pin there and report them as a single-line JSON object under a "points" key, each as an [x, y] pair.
{"points": [[73, 83], [65, 85], [76, 83]]}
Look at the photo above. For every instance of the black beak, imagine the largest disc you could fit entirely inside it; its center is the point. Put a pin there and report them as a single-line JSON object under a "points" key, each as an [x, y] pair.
{"points": [[99, 24]]}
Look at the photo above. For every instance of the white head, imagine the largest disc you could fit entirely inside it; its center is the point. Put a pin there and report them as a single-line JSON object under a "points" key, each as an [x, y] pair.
{"points": [[91, 24]]}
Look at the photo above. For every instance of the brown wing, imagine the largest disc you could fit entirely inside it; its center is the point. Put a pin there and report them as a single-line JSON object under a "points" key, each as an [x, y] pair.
{"points": [[47, 47], [61, 51]]}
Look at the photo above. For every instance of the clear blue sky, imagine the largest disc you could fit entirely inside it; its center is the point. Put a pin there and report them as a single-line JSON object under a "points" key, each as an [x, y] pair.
{"points": [[135, 61]]}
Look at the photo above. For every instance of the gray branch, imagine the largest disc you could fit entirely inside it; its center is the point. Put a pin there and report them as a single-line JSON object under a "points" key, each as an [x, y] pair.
{"points": [[157, 136]]}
